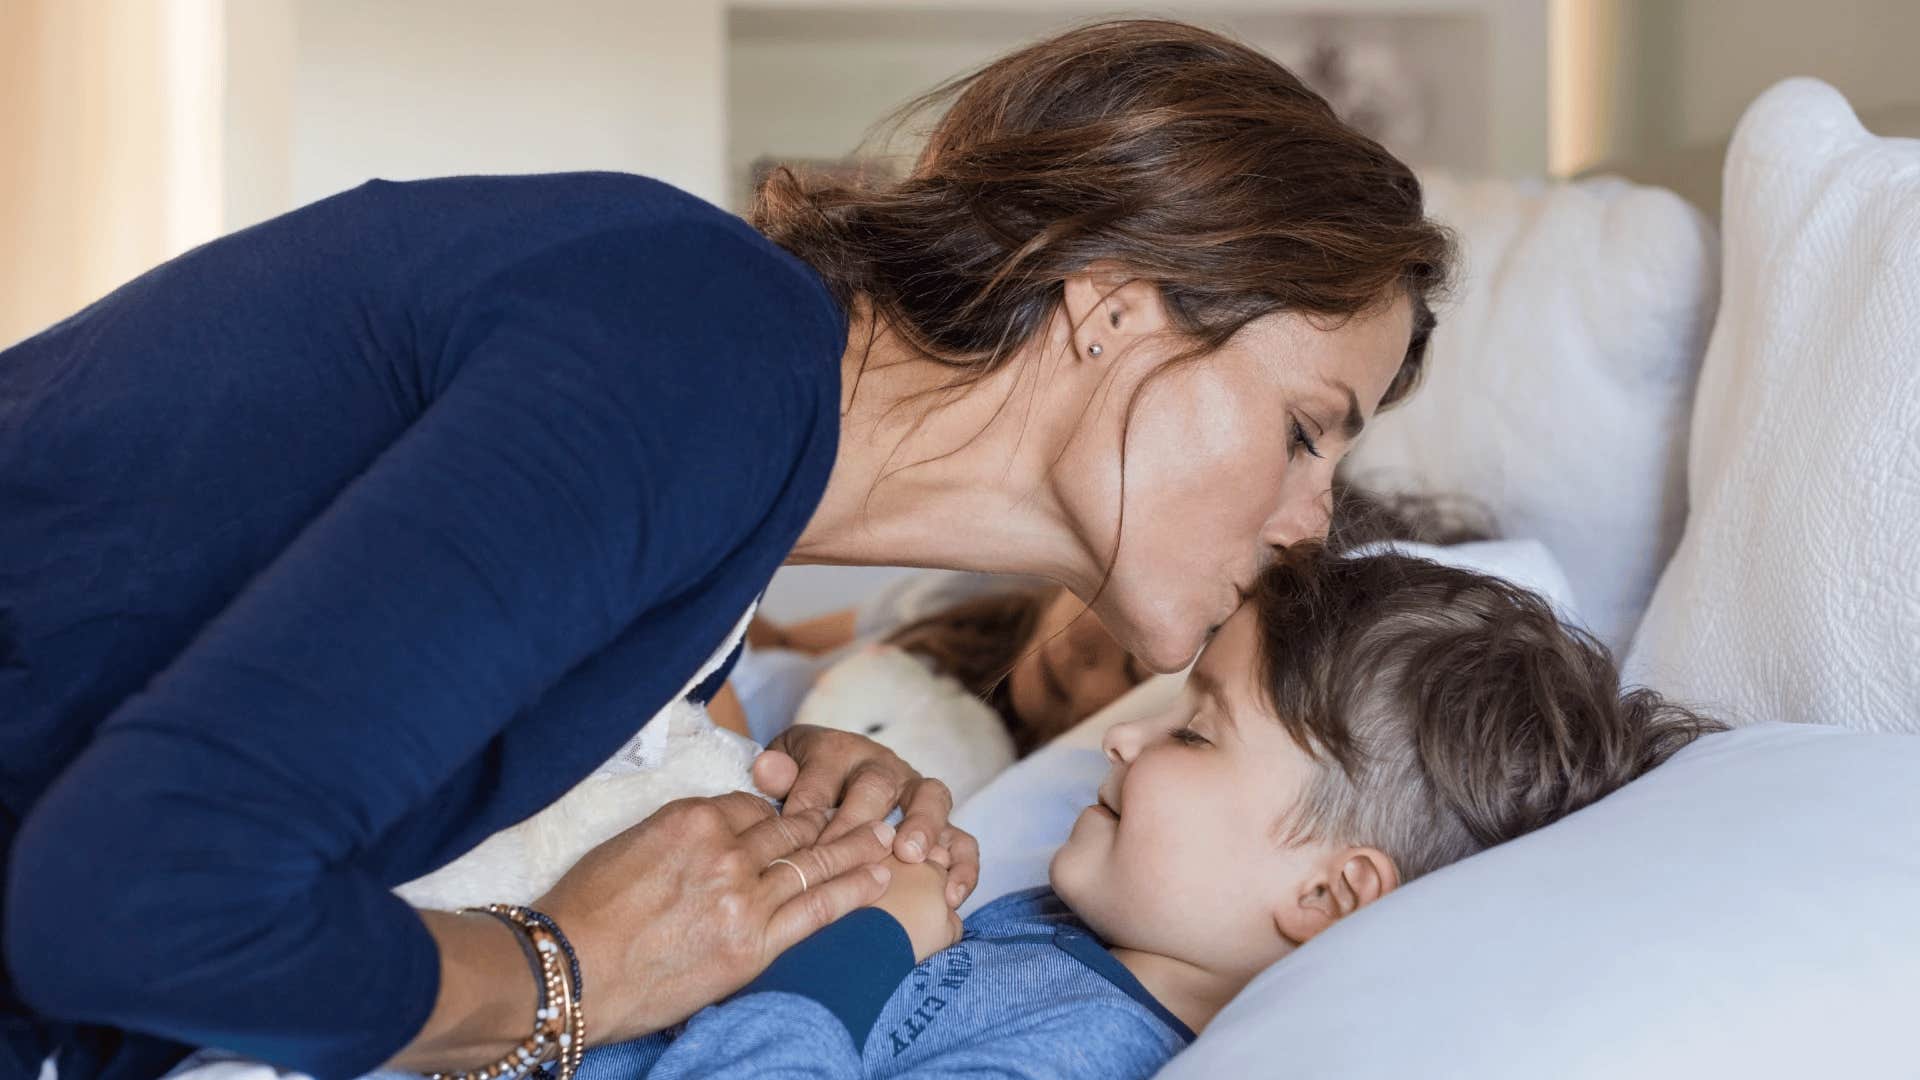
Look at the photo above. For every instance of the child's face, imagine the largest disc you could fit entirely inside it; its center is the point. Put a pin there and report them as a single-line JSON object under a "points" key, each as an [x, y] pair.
{"points": [[1183, 855], [1071, 668]]}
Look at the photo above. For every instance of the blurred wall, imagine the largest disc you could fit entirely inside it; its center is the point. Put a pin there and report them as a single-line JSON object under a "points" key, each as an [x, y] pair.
{"points": [[433, 87], [109, 151], [1640, 78]]}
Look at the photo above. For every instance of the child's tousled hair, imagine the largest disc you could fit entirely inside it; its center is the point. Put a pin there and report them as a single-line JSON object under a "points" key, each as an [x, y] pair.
{"points": [[1449, 711]]}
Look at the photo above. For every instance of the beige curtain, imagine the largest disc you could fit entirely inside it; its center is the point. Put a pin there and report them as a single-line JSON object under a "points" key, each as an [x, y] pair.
{"points": [[109, 146]]}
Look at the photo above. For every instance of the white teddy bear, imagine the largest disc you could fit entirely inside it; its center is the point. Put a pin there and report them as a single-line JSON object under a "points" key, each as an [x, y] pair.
{"points": [[895, 698], [519, 863], [882, 692]]}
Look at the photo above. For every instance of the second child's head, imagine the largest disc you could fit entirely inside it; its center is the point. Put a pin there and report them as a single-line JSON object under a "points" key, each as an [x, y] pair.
{"points": [[1358, 723]]}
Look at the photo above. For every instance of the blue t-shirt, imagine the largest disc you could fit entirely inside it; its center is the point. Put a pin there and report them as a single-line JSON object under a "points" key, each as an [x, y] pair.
{"points": [[339, 543], [1028, 992]]}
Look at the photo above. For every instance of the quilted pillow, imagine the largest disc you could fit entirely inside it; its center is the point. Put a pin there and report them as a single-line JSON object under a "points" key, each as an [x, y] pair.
{"points": [[1795, 594], [1560, 378]]}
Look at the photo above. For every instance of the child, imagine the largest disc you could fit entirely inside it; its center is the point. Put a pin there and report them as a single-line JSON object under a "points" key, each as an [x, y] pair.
{"points": [[1362, 721], [1032, 651]]}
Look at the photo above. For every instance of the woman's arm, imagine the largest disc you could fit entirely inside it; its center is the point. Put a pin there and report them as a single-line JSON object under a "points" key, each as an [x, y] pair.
{"points": [[485, 996], [196, 872]]}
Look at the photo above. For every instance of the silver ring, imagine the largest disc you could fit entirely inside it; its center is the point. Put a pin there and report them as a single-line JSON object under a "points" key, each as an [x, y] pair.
{"points": [[796, 869]]}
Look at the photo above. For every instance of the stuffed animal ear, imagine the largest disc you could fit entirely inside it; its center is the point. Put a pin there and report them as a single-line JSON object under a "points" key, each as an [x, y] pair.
{"points": [[895, 698]]}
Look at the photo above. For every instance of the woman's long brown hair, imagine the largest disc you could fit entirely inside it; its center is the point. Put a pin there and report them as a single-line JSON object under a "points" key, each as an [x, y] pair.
{"points": [[1195, 161]]}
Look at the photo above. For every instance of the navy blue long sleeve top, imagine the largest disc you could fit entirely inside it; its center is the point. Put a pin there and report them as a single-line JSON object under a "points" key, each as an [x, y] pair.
{"points": [[337, 544]]}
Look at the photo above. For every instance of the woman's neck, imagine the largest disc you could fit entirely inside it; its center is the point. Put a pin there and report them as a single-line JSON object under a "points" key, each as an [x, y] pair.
{"points": [[1188, 991], [931, 477]]}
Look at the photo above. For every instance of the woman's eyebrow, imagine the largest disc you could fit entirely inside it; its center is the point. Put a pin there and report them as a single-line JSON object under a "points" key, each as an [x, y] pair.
{"points": [[1353, 423]]}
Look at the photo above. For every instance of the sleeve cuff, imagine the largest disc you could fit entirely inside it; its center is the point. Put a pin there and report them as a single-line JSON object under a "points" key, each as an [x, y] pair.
{"points": [[851, 967]]}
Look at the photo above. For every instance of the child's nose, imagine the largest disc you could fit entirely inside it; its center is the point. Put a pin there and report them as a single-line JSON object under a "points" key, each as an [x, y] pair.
{"points": [[1122, 741]]}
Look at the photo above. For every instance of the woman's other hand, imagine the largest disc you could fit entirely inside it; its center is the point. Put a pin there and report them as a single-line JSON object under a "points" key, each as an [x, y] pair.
{"points": [[815, 768], [917, 899], [687, 906]]}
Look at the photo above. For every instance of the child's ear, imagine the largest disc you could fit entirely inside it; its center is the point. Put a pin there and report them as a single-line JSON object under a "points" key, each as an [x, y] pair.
{"points": [[1343, 884]]}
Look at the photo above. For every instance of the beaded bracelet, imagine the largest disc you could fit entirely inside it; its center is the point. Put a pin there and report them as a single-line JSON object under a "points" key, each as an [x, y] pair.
{"points": [[573, 1043], [526, 949], [541, 918], [559, 1026]]}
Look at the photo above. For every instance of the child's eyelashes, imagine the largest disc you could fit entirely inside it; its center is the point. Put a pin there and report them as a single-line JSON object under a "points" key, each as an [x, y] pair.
{"points": [[1186, 736]]}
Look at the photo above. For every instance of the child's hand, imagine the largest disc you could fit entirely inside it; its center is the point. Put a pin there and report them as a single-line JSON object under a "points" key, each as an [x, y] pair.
{"points": [[917, 897]]}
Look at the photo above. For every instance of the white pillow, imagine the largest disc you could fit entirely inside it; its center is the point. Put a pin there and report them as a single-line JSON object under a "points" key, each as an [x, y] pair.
{"points": [[1025, 813], [1750, 909], [1559, 379], [1795, 594]]}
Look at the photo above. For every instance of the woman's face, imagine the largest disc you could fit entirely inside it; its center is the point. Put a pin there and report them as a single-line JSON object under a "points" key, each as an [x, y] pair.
{"points": [[1226, 457], [1069, 669]]}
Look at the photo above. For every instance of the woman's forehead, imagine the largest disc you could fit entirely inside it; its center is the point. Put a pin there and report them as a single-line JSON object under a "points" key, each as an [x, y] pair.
{"points": [[1329, 356]]}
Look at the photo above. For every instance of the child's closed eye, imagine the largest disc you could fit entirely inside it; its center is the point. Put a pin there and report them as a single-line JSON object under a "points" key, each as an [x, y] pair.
{"points": [[1188, 737]]}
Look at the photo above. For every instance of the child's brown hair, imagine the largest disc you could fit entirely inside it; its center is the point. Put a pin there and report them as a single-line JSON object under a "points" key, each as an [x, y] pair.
{"points": [[1450, 711]]}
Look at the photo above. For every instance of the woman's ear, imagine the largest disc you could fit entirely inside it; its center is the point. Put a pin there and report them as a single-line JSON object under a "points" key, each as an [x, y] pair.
{"points": [[1109, 308], [1342, 884]]}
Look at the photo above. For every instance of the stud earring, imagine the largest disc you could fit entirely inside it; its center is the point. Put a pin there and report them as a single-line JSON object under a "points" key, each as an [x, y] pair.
{"points": [[1093, 349]]}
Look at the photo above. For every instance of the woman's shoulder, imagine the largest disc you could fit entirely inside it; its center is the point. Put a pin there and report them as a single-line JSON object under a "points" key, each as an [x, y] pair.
{"points": [[543, 209], [444, 240]]}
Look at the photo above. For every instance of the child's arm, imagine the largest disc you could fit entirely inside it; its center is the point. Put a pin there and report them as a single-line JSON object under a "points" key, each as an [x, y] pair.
{"points": [[807, 1014]]}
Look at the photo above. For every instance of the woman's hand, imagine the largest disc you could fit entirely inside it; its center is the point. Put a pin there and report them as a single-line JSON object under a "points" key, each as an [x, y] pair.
{"points": [[917, 899], [684, 908], [814, 768]]}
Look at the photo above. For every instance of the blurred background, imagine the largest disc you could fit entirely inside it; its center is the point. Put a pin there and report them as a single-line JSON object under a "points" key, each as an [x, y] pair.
{"points": [[135, 129]]}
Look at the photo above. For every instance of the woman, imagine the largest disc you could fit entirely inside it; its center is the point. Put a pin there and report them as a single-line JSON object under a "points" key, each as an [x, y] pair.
{"points": [[337, 544]]}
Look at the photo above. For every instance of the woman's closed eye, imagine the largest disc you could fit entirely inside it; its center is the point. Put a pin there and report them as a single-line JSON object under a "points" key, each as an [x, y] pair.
{"points": [[1303, 442]]}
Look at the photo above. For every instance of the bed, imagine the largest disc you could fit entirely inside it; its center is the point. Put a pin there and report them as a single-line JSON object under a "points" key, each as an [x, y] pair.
{"points": [[1715, 434]]}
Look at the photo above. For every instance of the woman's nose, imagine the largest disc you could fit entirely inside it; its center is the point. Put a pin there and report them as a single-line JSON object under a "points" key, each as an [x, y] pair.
{"points": [[1302, 517]]}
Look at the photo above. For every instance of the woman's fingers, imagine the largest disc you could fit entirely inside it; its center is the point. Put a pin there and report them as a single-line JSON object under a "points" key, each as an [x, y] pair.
{"points": [[743, 810], [927, 806], [872, 791], [839, 768], [822, 902], [822, 766], [774, 773], [782, 834], [824, 862], [964, 872]]}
